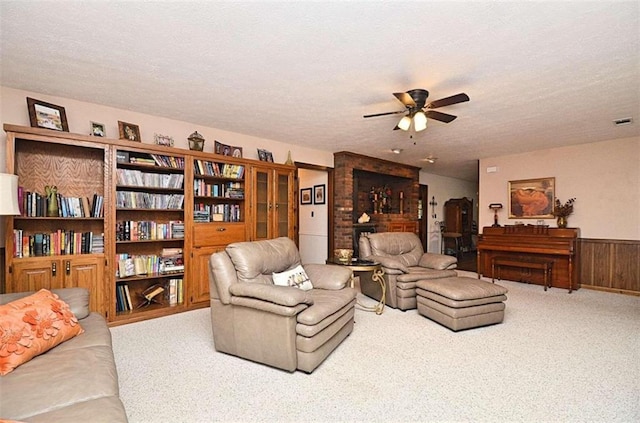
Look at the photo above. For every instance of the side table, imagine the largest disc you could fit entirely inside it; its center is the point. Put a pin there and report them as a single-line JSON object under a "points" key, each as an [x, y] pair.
{"points": [[377, 274]]}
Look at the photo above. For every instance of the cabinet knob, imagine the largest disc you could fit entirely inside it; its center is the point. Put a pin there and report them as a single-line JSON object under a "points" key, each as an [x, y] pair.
{"points": [[222, 229]]}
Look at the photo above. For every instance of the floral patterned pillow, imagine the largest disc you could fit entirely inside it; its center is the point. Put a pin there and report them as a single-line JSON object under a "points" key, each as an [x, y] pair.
{"points": [[33, 325]]}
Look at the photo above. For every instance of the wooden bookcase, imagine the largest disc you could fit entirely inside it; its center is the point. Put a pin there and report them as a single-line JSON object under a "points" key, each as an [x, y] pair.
{"points": [[135, 182]]}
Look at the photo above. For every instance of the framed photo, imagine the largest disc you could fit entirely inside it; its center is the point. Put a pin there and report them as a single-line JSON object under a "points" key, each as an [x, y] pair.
{"points": [[129, 131], [262, 155], [98, 129], [222, 149], [236, 151], [319, 194], [163, 140], [269, 157], [305, 196], [47, 115], [532, 198]]}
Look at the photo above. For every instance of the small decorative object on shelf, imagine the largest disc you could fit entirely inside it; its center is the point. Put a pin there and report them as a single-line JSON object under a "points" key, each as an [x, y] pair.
{"points": [[289, 159], [52, 200], [196, 141], [562, 211], [165, 140], [129, 131], [495, 207], [365, 218]]}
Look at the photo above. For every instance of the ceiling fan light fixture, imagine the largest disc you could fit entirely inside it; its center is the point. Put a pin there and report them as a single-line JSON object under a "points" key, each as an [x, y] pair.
{"points": [[405, 123], [420, 121]]}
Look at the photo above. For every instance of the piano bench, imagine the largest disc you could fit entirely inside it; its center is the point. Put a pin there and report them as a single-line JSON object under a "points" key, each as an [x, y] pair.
{"points": [[531, 263], [461, 303]]}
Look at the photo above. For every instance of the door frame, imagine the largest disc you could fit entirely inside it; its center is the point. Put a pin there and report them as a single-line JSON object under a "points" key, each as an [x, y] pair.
{"points": [[328, 197]]}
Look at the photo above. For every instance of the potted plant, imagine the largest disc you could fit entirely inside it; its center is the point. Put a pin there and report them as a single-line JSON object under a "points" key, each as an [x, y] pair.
{"points": [[562, 211]]}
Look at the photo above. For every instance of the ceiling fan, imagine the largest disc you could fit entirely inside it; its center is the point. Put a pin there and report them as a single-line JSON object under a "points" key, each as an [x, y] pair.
{"points": [[418, 110]]}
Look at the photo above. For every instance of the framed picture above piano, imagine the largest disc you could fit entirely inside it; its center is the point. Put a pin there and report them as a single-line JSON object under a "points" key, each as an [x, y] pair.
{"points": [[532, 198]]}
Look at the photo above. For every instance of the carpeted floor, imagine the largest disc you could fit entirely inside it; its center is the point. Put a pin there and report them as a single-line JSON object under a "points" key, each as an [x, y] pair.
{"points": [[557, 357]]}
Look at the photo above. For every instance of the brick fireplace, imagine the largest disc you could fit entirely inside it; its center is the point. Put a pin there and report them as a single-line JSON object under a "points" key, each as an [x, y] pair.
{"points": [[353, 175]]}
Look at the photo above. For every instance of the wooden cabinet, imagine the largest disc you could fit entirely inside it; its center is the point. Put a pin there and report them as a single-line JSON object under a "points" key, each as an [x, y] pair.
{"points": [[458, 218], [63, 245], [56, 273], [271, 203], [163, 212], [402, 227]]}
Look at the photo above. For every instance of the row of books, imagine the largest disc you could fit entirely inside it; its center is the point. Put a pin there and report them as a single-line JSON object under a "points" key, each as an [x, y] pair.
{"points": [[131, 230], [217, 213], [34, 204], [150, 159], [233, 190], [138, 178], [220, 170], [147, 200], [56, 243], [171, 261]]}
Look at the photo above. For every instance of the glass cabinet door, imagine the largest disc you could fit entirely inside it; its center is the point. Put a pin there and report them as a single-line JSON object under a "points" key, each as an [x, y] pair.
{"points": [[262, 204], [283, 204]]}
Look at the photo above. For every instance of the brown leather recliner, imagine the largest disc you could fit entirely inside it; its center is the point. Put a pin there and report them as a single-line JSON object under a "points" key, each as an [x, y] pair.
{"points": [[281, 326], [404, 263]]}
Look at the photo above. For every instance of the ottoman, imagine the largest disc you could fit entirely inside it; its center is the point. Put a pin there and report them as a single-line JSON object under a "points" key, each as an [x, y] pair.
{"points": [[461, 303]]}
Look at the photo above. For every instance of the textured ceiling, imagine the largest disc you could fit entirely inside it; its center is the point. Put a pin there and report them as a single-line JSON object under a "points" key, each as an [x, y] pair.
{"points": [[539, 74]]}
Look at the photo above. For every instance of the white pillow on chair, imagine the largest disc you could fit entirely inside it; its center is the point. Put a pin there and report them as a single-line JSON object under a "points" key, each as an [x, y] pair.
{"points": [[295, 277]]}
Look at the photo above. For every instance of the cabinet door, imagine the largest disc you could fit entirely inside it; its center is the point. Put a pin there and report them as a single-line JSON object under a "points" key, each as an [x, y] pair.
{"points": [[199, 281], [283, 224], [33, 275], [87, 272], [262, 205]]}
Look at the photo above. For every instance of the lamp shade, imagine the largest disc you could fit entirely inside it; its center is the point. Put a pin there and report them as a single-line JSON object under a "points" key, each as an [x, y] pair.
{"points": [[405, 123], [420, 121], [9, 195]]}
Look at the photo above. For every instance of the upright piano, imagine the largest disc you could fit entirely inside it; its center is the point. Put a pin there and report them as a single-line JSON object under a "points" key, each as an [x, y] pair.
{"points": [[531, 242]]}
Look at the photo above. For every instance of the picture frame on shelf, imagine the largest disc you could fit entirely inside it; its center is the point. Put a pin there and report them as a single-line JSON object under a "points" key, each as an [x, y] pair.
{"points": [[268, 157], [98, 129], [222, 149], [129, 131], [319, 194], [46, 115], [305, 196], [165, 140], [532, 198], [236, 152], [262, 155]]}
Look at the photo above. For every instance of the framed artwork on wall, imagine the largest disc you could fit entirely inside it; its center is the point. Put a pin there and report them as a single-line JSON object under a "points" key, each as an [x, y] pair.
{"points": [[98, 129], [532, 198], [305, 196], [47, 115], [319, 194]]}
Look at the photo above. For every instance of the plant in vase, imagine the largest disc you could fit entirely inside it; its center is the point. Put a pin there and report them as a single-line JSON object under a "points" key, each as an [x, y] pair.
{"points": [[562, 211]]}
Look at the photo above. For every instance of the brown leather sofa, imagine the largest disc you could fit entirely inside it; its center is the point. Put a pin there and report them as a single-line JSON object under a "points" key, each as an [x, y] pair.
{"points": [[281, 326], [404, 263], [75, 381]]}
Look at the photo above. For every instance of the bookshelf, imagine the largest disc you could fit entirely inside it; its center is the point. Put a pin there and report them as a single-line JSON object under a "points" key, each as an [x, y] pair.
{"points": [[149, 232], [127, 211], [63, 247]]}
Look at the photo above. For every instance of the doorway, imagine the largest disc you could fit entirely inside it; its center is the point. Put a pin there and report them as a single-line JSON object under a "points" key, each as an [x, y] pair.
{"points": [[312, 229]]}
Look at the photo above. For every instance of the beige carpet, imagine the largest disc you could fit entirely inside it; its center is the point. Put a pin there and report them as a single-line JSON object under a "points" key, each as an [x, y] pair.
{"points": [[557, 357]]}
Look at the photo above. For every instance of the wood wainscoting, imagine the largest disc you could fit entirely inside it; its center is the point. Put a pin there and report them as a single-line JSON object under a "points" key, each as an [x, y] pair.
{"points": [[610, 265]]}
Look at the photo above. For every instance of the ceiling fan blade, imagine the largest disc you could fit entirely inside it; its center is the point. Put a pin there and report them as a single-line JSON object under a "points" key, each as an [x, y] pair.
{"points": [[405, 99], [442, 117], [448, 101], [383, 114]]}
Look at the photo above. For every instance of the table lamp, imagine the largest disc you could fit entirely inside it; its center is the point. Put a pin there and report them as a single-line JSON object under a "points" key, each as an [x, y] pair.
{"points": [[495, 207], [9, 195]]}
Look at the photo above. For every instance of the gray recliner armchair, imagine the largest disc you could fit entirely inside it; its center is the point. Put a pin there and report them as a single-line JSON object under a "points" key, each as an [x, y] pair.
{"points": [[281, 326], [404, 263]]}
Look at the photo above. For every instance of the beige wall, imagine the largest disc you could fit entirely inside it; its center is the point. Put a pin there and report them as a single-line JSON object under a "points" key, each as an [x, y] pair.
{"points": [[13, 109], [604, 177]]}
